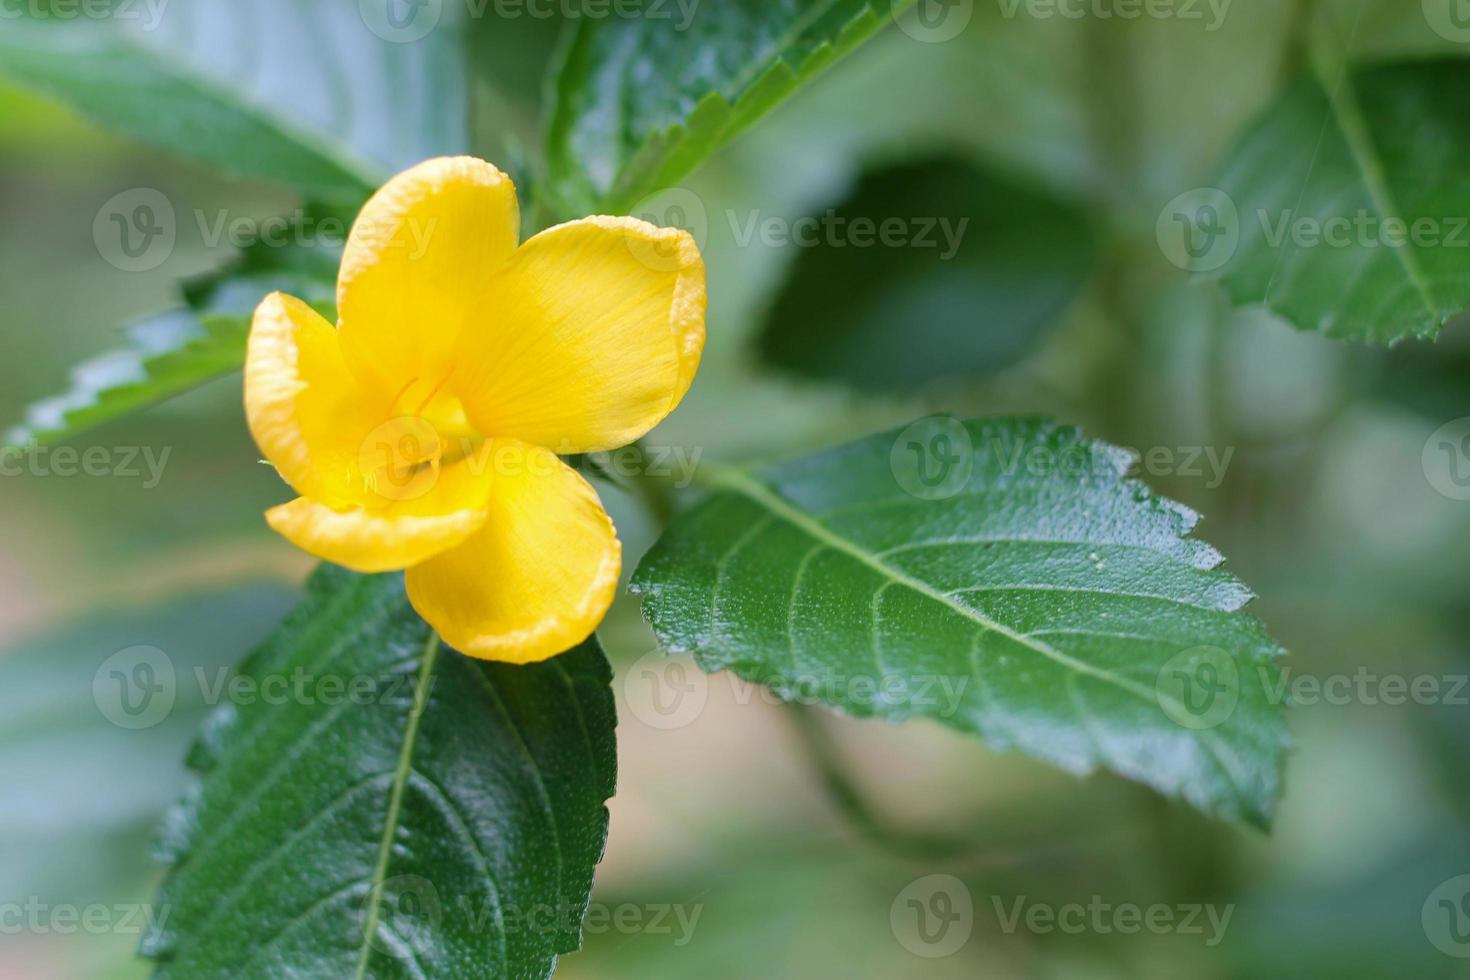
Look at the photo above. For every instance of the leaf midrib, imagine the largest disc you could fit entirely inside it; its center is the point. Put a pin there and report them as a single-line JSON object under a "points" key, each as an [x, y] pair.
{"points": [[746, 485], [395, 802], [1343, 104]]}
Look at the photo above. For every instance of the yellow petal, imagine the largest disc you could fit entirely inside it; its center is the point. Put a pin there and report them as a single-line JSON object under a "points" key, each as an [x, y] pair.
{"points": [[590, 336], [305, 409], [416, 505], [537, 578], [416, 261]]}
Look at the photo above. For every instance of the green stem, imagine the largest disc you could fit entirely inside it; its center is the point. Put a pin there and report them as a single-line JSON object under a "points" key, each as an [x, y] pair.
{"points": [[656, 492], [826, 758]]}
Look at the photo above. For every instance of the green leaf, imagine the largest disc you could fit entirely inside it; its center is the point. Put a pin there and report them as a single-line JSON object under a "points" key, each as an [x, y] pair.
{"points": [[297, 92], [1002, 577], [641, 101], [164, 355], [1384, 151], [444, 820], [956, 273]]}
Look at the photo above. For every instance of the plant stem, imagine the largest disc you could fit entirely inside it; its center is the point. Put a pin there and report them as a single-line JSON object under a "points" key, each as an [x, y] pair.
{"points": [[656, 492], [826, 758]]}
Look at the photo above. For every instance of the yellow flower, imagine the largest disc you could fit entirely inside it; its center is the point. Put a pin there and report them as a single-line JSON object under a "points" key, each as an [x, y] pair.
{"points": [[422, 432]]}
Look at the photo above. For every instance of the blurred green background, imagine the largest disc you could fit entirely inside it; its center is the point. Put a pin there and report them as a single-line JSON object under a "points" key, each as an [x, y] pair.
{"points": [[1325, 510]]}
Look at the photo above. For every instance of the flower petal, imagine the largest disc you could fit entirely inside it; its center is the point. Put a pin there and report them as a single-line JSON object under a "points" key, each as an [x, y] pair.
{"points": [[591, 335], [365, 541], [416, 261], [306, 411], [537, 578], [402, 525]]}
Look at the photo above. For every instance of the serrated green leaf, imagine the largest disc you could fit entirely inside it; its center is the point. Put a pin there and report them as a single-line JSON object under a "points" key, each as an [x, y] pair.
{"points": [[641, 101], [959, 272], [1002, 577], [163, 355], [442, 821], [1384, 149], [297, 92]]}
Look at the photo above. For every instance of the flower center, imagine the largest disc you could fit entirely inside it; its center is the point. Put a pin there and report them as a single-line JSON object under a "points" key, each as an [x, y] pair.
{"points": [[401, 458]]}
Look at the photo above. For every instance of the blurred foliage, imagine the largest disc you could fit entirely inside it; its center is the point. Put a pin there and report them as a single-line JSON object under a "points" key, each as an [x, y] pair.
{"points": [[879, 300], [1324, 509]]}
